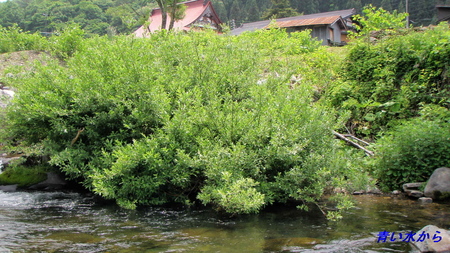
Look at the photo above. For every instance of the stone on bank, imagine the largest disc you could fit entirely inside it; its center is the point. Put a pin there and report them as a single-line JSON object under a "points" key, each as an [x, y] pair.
{"points": [[438, 241], [438, 186]]}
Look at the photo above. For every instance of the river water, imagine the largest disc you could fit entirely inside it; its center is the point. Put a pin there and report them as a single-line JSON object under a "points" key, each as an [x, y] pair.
{"points": [[73, 222]]}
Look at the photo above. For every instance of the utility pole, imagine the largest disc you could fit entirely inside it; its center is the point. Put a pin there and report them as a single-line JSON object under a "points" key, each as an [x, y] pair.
{"points": [[407, 17]]}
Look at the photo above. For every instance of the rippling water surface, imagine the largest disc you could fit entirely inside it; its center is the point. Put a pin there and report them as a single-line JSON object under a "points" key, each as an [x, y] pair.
{"points": [[71, 222]]}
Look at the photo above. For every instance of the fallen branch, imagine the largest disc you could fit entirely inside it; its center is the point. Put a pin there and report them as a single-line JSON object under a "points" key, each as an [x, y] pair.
{"points": [[355, 138], [76, 137], [342, 137]]}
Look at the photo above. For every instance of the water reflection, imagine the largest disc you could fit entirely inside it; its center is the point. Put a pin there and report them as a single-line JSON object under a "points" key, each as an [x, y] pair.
{"points": [[71, 222]]}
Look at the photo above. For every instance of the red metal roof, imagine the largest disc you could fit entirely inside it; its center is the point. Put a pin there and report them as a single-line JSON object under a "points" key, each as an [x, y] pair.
{"points": [[307, 22], [194, 10]]}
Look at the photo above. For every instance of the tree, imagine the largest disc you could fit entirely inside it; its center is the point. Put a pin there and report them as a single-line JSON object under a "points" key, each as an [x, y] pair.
{"points": [[163, 7], [376, 19], [354, 4], [176, 12], [126, 15], [306, 6], [253, 13], [420, 12], [170, 8], [235, 12], [280, 9], [401, 6], [11, 13], [387, 5]]}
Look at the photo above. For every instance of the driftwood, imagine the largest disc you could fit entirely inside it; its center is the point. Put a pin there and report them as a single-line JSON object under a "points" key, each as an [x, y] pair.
{"points": [[344, 137]]}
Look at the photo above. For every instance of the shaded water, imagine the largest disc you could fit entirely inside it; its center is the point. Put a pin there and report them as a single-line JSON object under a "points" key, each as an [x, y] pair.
{"points": [[70, 222]]}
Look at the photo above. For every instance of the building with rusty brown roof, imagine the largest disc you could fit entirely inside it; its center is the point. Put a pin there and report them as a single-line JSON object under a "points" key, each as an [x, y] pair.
{"points": [[330, 27], [443, 13]]}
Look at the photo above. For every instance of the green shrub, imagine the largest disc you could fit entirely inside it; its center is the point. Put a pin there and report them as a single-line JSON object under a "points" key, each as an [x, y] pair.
{"points": [[277, 41], [391, 80], [186, 118], [14, 39], [378, 20], [65, 43], [411, 152]]}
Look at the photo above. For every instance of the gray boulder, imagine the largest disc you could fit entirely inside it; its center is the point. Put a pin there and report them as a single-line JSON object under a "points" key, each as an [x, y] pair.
{"points": [[431, 239], [8, 188], [53, 182], [438, 186]]}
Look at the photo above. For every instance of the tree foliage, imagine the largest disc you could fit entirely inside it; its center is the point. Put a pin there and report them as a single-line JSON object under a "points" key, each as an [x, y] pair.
{"points": [[176, 13], [95, 17], [124, 16], [279, 9], [172, 9], [422, 12], [378, 20]]}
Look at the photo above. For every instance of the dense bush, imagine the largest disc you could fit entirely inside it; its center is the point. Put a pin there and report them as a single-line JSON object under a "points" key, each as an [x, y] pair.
{"points": [[187, 118], [62, 44], [282, 42], [66, 42], [398, 88], [392, 79], [412, 151], [15, 39]]}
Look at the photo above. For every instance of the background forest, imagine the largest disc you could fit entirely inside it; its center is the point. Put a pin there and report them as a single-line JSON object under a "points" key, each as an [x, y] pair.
{"points": [[124, 16]]}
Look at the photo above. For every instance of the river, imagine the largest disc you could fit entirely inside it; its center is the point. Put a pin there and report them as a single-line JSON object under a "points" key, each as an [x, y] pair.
{"points": [[74, 222]]}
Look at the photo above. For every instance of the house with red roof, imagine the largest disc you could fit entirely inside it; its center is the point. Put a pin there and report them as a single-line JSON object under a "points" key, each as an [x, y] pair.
{"points": [[330, 27], [198, 15]]}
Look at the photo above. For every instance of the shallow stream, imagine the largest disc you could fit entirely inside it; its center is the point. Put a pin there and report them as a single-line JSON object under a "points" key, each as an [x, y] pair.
{"points": [[72, 222]]}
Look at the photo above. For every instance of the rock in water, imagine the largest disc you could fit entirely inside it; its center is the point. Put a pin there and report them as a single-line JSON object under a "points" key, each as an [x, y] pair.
{"points": [[438, 186], [424, 200], [412, 190], [437, 241], [53, 182], [8, 188]]}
